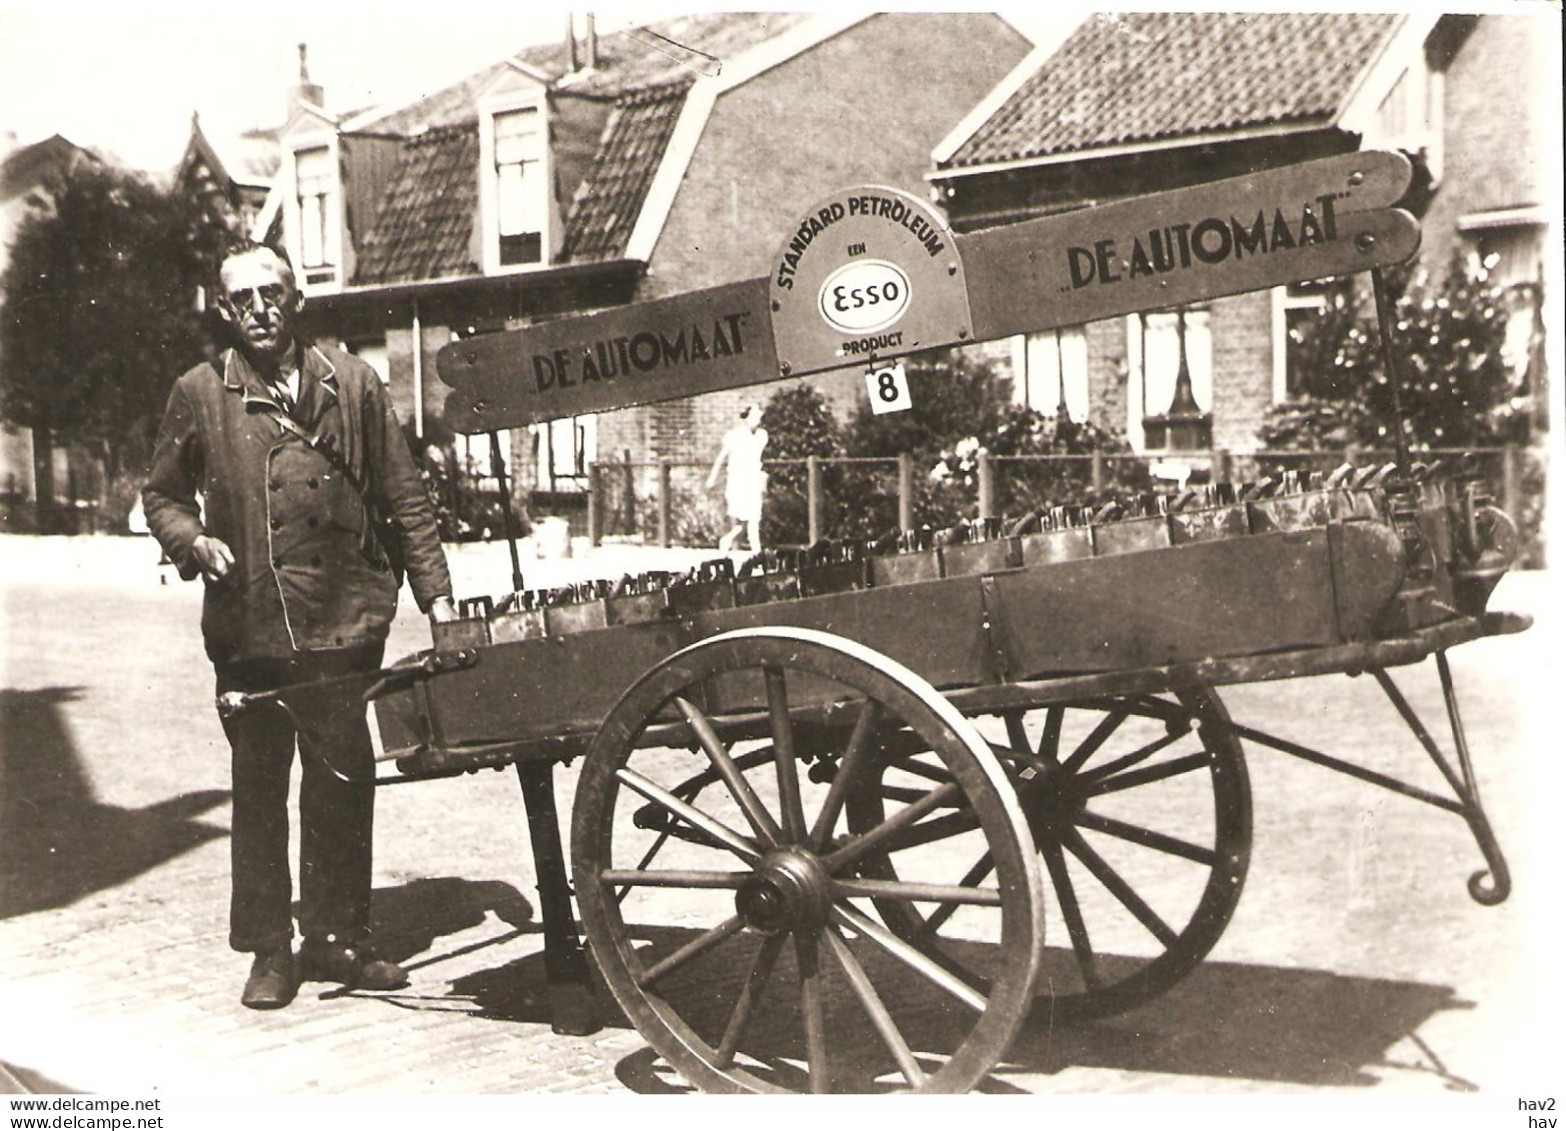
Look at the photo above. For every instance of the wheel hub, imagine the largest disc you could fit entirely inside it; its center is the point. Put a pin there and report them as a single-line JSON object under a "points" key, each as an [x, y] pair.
{"points": [[787, 892], [1050, 804]]}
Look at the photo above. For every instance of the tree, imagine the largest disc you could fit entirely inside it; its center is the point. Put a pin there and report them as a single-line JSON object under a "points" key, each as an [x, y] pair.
{"points": [[799, 424], [1457, 391], [99, 317], [962, 411]]}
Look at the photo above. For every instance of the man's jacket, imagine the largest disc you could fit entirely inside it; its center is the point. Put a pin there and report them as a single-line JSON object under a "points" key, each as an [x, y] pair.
{"points": [[302, 580]]}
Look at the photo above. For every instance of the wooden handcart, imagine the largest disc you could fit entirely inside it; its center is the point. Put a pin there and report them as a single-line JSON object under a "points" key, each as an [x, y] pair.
{"points": [[828, 801]]}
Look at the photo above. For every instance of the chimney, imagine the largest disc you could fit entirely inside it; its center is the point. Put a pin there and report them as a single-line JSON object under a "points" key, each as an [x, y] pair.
{"points": [[592, 43], [305, 90], [571, 44]]}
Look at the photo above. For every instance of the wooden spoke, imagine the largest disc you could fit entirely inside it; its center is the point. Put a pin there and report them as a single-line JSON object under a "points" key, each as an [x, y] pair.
{"points": [[1071, 911], [1117, 886], [766, 870], [952, 824], [1111, 723], [1107, 765], [937, 774], [919, 893], [874, 1008], [1049, 740], [1149, 774], [755, 812], [1126, 761], [905, 794], [755, 983], [672, 878], [739, 845], [783, 746], [686, 792], [1148, 838], [845, 916], [903, 818], [812, 1011], [937, 918], [704, 941], [854, 758]]}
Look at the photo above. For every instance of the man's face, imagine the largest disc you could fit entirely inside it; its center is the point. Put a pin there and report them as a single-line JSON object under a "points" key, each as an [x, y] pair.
{"points": [[260, 303]]}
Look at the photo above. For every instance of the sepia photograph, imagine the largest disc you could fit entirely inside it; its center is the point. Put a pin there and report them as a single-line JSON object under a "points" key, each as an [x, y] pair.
{"points": [[660, 550]]}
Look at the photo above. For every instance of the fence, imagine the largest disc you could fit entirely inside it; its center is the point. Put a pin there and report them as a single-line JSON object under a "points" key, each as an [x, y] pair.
{"points": [[668, 502]]}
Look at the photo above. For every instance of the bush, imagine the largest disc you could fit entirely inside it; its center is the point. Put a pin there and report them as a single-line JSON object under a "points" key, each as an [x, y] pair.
{"points": [[961, 412], [1456, 389], [799, 424]]}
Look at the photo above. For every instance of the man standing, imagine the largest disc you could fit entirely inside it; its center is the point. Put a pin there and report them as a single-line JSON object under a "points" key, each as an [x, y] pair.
{"points": [[289, 445]]}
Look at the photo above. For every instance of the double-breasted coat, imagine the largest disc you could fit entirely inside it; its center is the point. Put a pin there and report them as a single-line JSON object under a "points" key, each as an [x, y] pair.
{"points": [[306, 574]]}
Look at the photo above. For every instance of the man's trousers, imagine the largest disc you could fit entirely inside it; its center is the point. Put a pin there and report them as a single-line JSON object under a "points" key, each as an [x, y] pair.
{"points": [[336, 818]]}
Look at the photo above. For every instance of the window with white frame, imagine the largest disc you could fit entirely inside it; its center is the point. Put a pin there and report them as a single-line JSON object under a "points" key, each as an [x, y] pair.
{"points": [[1410, 114], [563, 449], [1510, 255], [316, 186], [1298, 311], [521, 188], [476, 453], [1051, 372]]}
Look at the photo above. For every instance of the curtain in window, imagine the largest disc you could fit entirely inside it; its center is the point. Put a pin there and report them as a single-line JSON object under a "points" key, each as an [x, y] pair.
{"points": [[1046, 360], [1162, 362]]}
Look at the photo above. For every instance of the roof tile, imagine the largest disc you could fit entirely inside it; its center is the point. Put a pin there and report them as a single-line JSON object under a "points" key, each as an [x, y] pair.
{"points": [[610, 199], [424, 226], [1130, 78]]}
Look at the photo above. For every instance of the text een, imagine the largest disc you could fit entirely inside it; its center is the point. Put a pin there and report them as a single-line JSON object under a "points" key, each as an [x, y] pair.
{"points": [[1209, 241], [887, 208]]}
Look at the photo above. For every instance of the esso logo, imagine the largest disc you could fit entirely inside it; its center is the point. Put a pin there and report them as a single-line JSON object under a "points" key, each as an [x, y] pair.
{"points": [[864, 296]]}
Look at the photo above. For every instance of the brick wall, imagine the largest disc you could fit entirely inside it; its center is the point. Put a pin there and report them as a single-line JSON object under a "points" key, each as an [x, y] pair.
{"points": [[1497, 154], [1106, 343], [1242, 368], [866, 106]]}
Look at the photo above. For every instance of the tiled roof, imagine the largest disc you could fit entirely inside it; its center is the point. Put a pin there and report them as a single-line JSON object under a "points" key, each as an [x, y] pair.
{"points": [[628, 60], [610, 199], [424, 226], [1133, 78]]}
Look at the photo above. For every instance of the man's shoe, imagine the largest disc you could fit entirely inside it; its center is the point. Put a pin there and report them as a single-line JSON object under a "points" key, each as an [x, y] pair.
{"points": [[356, 967], [271, 984]]}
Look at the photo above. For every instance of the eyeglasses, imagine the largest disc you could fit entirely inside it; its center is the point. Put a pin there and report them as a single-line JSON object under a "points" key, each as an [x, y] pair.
{"points": [[244, 301]]}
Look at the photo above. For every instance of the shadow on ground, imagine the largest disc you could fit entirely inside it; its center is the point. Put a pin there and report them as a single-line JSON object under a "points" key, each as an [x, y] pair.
{"points": [[58, 843], [1227, 1021], [409, 918], [16, 1080]]}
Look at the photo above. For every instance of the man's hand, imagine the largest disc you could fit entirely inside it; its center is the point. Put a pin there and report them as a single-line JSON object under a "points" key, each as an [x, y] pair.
{"points": [[441, 610], [213, 556]]}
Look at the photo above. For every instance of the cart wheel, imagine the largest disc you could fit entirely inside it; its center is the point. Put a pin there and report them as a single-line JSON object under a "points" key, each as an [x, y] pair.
{"points": [[721, 892], [1141, 809]]}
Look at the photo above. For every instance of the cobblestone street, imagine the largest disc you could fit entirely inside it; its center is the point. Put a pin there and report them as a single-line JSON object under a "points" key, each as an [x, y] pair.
{"points": [[1356, 964]]}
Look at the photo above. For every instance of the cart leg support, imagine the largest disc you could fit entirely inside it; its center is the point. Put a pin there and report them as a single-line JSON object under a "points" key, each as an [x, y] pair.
{"points": [[572, 1009], [1493, 886], [1489, 886]]}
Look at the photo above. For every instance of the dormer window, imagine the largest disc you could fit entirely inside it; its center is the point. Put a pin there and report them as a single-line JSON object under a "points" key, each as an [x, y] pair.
{"points": [[316, 190], [520, 226], [1409, 116], [521, 190]]}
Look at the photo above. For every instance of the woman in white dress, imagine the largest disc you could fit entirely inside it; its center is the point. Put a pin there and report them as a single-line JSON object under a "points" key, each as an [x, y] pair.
{"points": [[747, 482]]}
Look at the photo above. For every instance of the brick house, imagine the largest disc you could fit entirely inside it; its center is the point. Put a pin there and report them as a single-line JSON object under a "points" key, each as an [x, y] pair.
{"points": [[1137, 103], [607, 170]]}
